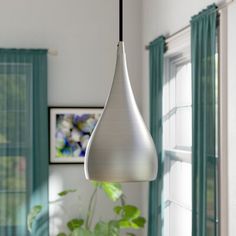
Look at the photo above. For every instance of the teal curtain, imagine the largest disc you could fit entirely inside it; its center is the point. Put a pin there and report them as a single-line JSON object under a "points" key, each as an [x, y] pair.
{"points": [[156, 58], [204, 191], [23, 139]]}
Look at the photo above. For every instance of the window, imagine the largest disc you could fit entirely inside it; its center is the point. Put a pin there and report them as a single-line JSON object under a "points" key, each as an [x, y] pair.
{"points": [[23, 139], [177, 141], [14, 141], [177, 144]]}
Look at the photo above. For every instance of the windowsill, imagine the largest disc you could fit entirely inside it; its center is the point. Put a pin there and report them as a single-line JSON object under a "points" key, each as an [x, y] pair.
{"points": [[179, 155]]}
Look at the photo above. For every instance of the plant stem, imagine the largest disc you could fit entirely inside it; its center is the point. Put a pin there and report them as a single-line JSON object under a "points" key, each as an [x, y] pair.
{"points": [[122, 200], [90, 213]]}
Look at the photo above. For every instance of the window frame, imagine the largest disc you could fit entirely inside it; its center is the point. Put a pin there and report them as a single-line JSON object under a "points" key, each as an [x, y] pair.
{"points": [[13, 149], [176, 45]]}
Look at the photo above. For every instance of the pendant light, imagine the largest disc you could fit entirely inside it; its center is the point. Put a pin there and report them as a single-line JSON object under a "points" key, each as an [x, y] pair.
{"points": [[120, 148]]}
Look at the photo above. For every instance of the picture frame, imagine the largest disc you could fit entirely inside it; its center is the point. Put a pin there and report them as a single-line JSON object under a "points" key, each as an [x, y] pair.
{"points": [[70, 129]]}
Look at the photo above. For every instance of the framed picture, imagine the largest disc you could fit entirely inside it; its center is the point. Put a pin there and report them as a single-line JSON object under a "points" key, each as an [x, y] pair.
{"points": [[70, 130]]}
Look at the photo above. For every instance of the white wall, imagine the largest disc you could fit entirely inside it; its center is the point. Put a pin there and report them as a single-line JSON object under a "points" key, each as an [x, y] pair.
{"points": [[163, 17], [85, 34]]}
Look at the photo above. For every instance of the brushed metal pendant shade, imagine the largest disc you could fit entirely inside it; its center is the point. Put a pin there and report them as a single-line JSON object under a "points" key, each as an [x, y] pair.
{"points": [[121, 148]]}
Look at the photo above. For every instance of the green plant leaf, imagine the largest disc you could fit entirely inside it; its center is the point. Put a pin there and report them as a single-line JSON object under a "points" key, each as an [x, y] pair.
{"points": [[130, 217], [65, 192], [107, 229], [61, 234], [127, 224], [112, 190], [101, 228], [34, 212], [114, 229], [129, 212], [118, 209], [74, 224], [82, 232], [130, 234], [140, 221]]}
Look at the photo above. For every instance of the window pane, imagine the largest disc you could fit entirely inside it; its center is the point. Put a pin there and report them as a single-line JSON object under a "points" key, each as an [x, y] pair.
{"points": [[183, 132], [177, 138], [183, 85], [180, 221], [12, 207], [13, 108], [12, 190], [181, 183], [13, 131], [15, 128], [12, 174], [12, 92]]}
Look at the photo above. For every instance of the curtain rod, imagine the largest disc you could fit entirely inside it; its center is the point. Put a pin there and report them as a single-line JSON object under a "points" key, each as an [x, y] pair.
{"points": [[168, 38]]}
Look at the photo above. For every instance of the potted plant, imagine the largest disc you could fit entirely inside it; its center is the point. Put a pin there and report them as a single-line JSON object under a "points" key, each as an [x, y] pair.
{"points": [[126, 216]]}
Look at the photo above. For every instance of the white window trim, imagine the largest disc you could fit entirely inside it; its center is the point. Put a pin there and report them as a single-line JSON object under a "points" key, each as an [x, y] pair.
{"points": [[179, 155], [223, 125], [176, 44]]}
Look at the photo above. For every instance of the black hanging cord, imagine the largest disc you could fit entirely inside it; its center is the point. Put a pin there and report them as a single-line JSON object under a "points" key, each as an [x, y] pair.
{"points": [[121, 21]]}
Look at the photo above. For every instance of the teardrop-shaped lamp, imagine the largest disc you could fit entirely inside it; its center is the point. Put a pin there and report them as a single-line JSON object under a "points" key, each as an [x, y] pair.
{"points": [[121, 148]]}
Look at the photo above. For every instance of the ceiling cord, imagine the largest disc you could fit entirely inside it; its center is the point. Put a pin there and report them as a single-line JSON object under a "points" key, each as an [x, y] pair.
{"points": [[121, 21]]}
